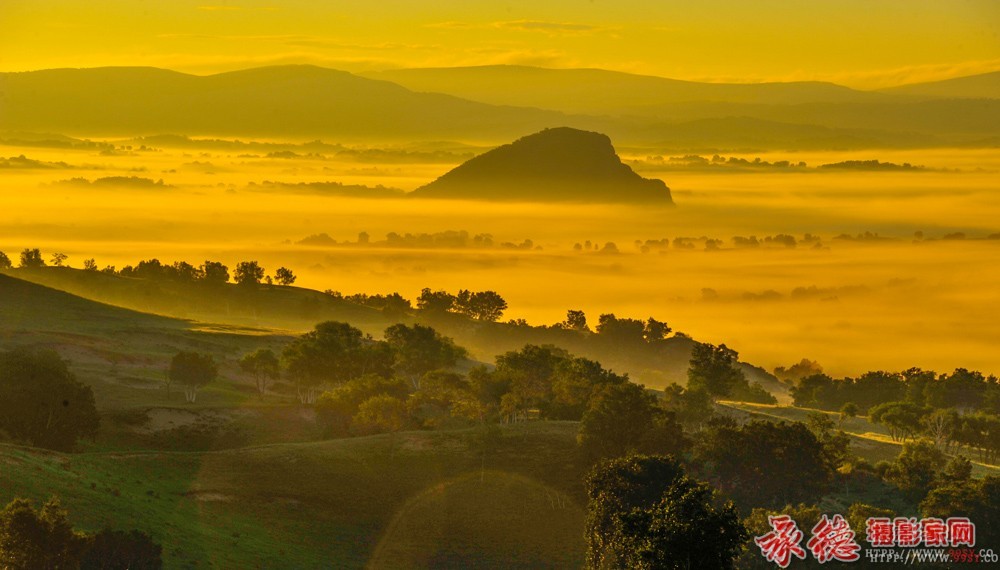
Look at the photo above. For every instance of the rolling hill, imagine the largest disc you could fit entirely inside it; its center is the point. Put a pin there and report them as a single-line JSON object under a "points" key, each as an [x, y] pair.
{"points": [[341, 502], [982, 86], [27, 306], [561, 164]]}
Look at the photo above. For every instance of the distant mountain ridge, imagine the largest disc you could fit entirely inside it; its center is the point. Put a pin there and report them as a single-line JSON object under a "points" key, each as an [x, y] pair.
{"points": [[297, 100], [597, 90], [982, 86], [302, 102], [558, 164]]}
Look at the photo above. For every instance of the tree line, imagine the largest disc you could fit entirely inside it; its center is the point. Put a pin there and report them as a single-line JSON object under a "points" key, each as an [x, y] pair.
{"points": [[44, 539], [210, 273]]}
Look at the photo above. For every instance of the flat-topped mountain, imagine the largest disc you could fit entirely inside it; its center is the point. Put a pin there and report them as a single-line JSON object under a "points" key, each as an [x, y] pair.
{"points": [[560, 164]]}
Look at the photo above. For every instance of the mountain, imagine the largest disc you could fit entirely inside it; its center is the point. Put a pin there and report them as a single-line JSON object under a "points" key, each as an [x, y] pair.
{"points": [[638, 102], [306, 102], [598, 91], [299, 101], [982, 86], [560, 164]]}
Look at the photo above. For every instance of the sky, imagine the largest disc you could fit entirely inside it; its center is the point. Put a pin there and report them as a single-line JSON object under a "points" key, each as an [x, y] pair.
{"points": [[859, 43]]}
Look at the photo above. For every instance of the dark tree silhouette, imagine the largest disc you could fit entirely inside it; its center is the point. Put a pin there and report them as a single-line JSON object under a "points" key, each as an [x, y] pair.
{"points": [[752, 463], [32, 258], [284, 276], [576, 320], [713, 368], [5, 261], [42, 403], [120, 550], [38, 539], [214, 272], [643, 512], [248, 273], [435, 301]]}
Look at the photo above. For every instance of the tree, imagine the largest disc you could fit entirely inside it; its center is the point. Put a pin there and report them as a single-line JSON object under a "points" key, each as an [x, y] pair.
{"points": [[617, 420], [120, 550], [214, 273], [655, 330], [836, 444], [940, 425], [643, 512], [284, 276], [192, 370], [418, 349], [916, 469], [848, 410], [263, 365], [336, 408], [248, 273], [692, 406], [438, 302], [331, 354], [31, 258], [90, 264], [765, 463], [529, 373], [486, 306], [573, 383], [42, 403], [381, 414], [977, 499], [620, 331], [576, 321], [903, 419], [58, 259], [40, 539], [4, 261], [44, 539], [182, 271], [714, 368]]}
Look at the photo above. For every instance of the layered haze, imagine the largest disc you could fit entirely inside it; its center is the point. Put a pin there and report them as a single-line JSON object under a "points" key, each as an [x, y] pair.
{"points": [[874, 285]]}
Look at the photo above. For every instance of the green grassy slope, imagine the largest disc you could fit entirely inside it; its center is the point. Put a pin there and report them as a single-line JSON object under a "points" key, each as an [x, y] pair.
{"points": [[121, 353], [318, 505]]}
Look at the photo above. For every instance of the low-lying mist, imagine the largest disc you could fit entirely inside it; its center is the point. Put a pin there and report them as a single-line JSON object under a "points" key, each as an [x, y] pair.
{"points": [[875, 286]]}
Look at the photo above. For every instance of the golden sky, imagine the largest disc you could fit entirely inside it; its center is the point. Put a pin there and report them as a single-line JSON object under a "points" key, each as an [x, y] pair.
{"points": [[861, 43]]}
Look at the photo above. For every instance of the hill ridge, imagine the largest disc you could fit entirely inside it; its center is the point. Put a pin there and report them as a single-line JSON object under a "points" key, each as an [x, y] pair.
{"points": [[555, 164]]}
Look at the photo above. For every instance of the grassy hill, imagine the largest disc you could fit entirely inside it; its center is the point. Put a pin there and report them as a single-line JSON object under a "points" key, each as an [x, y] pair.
{"points": [[121, 353], [314, 505], [287, 310]]}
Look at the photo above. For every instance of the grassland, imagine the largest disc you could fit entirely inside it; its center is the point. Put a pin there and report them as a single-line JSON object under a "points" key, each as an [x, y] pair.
{"points": [[308, 505]]}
